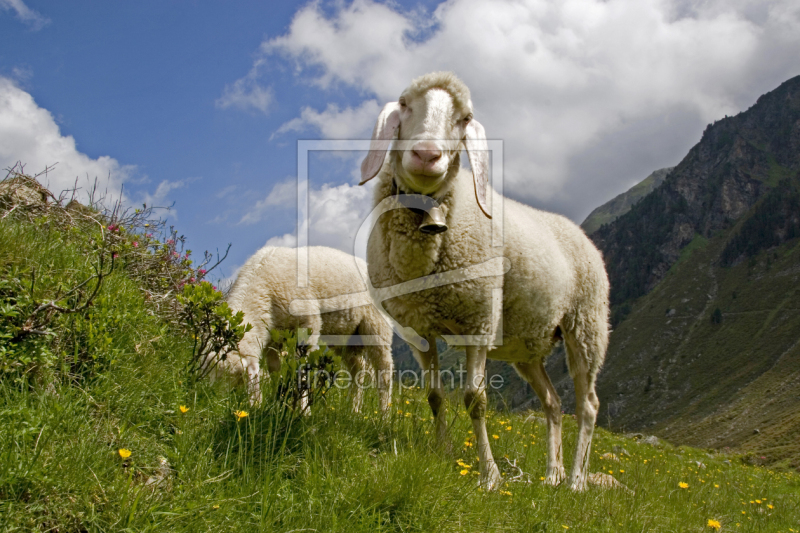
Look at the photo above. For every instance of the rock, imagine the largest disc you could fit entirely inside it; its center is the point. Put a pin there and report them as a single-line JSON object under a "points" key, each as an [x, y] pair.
{"points": [[652, 440], [536, 419], [620, 450], [727, 462], [609, 457], [634, 435], [756, 432], [606, 481], [699, 464], [161, 476]]}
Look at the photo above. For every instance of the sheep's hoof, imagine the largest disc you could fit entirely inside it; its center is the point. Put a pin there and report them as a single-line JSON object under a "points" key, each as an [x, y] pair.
{"points": [[578, 485], [491, 480], [555, 477]]}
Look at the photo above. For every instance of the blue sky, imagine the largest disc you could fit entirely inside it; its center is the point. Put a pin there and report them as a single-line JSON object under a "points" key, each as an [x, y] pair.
{"points": [[202, 103]]}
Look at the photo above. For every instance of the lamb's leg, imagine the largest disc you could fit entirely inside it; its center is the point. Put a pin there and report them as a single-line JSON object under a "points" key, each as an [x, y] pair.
{"points": [[535, 374], [354, 361], [475, 400], [250, 348], [429, 362], [586, 407], [382, 365]]}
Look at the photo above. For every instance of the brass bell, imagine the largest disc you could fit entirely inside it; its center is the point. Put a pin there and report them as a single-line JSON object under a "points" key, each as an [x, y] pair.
{"points": [[433, 222]]}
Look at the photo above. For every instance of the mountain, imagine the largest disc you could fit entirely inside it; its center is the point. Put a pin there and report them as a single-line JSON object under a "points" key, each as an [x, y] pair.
{"points": [[735, 163], [621, 204], [705, 273]]}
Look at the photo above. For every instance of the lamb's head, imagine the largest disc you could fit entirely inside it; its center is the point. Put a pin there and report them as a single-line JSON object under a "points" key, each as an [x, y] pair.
{"points": [[432, 122]]}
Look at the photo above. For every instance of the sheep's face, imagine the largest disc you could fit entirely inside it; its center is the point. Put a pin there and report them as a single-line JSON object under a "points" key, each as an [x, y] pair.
{"points": [[433, 128], [429, 125]]}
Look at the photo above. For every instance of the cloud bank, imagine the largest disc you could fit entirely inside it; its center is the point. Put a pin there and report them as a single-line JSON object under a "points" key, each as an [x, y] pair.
{"points": [[589, 96]]}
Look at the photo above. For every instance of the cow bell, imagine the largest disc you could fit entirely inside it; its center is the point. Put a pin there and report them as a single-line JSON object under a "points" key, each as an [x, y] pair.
{"points": [[433, 222]]}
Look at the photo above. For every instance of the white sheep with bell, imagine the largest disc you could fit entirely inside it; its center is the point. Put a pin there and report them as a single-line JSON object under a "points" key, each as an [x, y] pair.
{"points": [[547, 281], [265, 289]]}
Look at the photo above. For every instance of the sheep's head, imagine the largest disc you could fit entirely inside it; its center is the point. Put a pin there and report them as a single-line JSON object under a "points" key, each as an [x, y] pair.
{"points": [[433, 122]]}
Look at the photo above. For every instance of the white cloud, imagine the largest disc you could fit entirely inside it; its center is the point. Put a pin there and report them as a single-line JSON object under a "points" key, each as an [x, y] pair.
{"points": [[30, 135], [336, 214], [246, 93], [333, 123], [588, 95], [35, 20], [160, 197], [282, 195]]}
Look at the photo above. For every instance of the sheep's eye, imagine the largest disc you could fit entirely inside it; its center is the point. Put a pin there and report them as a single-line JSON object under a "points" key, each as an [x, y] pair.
{"points": [[467, 119], [402, 102]]}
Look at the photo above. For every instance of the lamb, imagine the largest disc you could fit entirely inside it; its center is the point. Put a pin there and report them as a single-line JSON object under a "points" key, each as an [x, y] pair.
{"points": [[545, 282], [266, 290]]}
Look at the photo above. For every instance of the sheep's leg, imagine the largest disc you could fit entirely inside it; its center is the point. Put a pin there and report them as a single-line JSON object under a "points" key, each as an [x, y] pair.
{"points": [[249, 349], [475, 400], [382, 365], [355, 366], [535, 374], [313, 325], [429, 362], [586, 408]]}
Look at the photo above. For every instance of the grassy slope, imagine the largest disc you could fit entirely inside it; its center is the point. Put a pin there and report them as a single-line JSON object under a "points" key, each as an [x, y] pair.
{"points": [[60, 469], [714, 384], [621, 204]]}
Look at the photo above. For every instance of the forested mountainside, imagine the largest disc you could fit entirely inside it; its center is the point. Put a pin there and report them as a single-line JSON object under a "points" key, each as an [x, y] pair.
{"points": [[622, 203]]}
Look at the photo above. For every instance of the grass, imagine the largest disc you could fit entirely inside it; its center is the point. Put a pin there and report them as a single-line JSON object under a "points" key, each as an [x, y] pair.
{"points": [[205, 468], [335, 470]]}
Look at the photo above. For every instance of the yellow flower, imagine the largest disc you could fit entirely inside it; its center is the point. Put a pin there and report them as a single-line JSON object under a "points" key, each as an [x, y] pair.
{"points": [[124, 453], [714, 524], [505, 492], [508, 428], [468, 444], [758, 501], [770, 506], [464, 472], [683, 485], [240, 414], [183, 409], [495, 437]]}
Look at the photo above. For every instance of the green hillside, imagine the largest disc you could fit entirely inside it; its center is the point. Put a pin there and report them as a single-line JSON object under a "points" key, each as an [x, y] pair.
{"points": [[621, 204], [704, 271], [105, 429]]}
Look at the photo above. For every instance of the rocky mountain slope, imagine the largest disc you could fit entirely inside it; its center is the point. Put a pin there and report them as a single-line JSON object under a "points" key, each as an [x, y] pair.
{"points": [[621, 204], [705, 273], [736, 162]]}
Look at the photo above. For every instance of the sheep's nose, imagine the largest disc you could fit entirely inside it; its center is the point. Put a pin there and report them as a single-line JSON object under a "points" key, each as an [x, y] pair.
{"points": [[427, 152]]}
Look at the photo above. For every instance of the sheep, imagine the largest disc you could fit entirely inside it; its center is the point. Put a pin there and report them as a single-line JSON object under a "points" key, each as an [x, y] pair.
{"points": [[549, 283], [266, 291]]}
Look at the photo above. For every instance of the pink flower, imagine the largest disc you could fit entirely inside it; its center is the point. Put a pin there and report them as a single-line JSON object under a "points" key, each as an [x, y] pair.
{"points": [[192, 280], [115, 256], [214, 287], [202, 272], [148, 235], [175, 254], [171, 241], [135, 244], [112, 227]]}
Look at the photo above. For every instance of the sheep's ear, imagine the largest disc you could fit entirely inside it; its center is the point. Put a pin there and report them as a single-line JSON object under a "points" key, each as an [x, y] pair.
{"points": [[382, 136], [478, 152]]}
